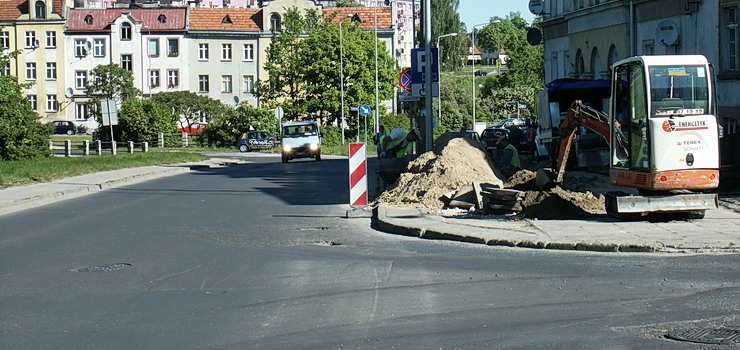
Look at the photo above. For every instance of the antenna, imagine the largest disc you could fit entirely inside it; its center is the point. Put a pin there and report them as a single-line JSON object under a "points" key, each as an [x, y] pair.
{"points": [[68, 92], [666, 33], [88, 45]]}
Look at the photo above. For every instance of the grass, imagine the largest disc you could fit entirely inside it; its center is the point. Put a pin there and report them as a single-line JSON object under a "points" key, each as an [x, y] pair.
{"points": [[22, 172], [73, 138]]}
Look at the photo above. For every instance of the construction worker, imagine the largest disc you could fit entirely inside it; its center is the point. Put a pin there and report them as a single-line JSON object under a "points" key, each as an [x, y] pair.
{"points": [[510, 154], [398, 142]]}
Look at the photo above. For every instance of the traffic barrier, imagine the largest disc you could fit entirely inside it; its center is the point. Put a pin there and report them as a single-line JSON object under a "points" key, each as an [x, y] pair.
{"points": [[357, 175]]}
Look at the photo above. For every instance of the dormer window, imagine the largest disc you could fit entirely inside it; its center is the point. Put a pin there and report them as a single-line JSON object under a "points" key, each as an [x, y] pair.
{"points": [[275, 22], [126, 31], [162, 19], [40, 9], [88, 19], [227, 20]]}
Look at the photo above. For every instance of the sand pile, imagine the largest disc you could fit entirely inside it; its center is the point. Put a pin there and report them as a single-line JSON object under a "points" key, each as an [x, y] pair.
{"points": [[454, 162]]}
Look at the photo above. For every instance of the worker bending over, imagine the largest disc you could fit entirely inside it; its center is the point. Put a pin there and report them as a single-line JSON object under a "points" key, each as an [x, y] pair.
{"points": [[510, 162], [398, 142]]}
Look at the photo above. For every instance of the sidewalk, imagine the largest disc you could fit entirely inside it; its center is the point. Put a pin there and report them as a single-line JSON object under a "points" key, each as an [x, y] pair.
{"points": [[718, 232], [19, 198]]}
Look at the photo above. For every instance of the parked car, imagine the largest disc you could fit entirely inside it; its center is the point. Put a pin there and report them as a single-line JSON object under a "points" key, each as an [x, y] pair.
{"points": [[490, 137], [474, 135], [64, 127], [252, 140], [195, 128], [480, 73]]}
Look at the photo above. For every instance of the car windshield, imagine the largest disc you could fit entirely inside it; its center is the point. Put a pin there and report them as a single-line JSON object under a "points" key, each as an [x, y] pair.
{"points": [[300, 130], [679, 90]]}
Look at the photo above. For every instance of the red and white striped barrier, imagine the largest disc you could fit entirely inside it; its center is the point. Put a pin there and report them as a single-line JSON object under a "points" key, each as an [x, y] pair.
{"points": [[357, 175]]}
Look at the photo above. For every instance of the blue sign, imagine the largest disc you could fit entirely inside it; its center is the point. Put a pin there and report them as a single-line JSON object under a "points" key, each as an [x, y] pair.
{"points": [[354, 109], [418, 61], [365, 109]]}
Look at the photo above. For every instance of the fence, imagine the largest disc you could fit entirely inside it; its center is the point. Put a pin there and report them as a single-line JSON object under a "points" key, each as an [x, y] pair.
{"points": [[69, 148]]}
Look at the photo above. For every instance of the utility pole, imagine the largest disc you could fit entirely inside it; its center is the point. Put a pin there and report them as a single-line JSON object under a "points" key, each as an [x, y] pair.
{"points": [[426, 125]]}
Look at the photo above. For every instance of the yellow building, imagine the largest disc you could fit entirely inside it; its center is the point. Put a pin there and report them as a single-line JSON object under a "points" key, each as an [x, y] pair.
{"points": [[35, 28]]}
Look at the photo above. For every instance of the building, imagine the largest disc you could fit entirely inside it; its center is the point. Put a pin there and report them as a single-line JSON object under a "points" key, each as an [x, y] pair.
{"points": [[36, 30], [583, 38], [406, 13]]}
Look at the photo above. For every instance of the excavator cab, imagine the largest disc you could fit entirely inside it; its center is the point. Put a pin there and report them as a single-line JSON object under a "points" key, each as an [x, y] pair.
{"points": [[664, 133]]}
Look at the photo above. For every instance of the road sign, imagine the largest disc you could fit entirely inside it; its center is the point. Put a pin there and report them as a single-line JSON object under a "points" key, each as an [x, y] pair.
{"points": [[404, 79], [357, 175], [405, 96], [279, 112], [110, 112], [365, 109], [419, 90], [418, 62], [354, 109]]}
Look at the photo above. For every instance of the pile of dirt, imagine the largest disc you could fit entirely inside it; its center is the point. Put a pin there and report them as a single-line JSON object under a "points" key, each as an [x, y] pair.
{"points": [[454, 162], [558, 203]]}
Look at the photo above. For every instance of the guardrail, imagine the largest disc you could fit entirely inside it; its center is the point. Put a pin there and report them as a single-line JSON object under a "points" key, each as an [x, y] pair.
{"points": [[69, 148]]}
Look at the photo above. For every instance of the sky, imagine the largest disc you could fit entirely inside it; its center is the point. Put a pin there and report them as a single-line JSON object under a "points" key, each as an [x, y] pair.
{"points": [[480, 11]]}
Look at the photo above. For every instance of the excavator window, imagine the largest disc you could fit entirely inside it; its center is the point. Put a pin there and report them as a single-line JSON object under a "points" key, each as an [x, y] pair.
{"points": [[679, 90], [630, 148]]}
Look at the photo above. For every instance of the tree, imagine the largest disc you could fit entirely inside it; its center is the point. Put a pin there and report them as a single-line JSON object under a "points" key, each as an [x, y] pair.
{"points": [[22, 136], [321, 56], [187, 107], [445, 20], [224, 128], [348, 3], [144, 118], [112, 82]]}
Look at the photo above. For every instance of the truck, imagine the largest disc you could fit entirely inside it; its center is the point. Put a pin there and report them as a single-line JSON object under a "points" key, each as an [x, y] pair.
{"points": [[662, 132]]}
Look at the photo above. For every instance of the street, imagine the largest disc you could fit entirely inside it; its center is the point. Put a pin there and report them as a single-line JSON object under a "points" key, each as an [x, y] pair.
{"points": [[259, 256]]}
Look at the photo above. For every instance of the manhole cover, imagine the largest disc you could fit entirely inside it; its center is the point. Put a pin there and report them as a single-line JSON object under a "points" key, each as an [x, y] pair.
{"points": [[707, 336], [103, 267]]}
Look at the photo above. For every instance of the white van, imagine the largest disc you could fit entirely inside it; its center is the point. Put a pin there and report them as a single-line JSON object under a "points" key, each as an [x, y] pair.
{"points": [[300, 139]]}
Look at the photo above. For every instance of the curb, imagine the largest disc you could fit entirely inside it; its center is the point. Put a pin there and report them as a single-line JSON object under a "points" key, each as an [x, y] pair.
{"points": [[382, 222]]}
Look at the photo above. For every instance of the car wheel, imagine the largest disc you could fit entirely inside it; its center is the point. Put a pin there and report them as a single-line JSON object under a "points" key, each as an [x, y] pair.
{"points": [[70, 132], [243, 148], [318, 156], [285, 158]]}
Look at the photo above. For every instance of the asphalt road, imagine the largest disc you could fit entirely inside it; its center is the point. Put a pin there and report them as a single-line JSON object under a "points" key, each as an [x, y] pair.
{"points": [[258, 256]]}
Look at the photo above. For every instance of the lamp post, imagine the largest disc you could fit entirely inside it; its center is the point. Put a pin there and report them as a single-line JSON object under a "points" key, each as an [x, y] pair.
{"points": [[439, 69], [472, 49], [498, 46], [341, 73]]}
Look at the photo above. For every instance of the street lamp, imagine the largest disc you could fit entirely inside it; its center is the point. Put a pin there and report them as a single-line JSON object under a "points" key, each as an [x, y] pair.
{"points": [[341, 72], [472, 49], [439, 69], [498, 48]]}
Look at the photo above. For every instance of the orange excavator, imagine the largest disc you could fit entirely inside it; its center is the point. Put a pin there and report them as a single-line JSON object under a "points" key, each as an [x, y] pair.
{"points": [[663, 136]]}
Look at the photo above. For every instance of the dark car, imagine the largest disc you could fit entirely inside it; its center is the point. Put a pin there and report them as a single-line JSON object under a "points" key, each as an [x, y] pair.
{"points": [[251, 140], [480, 73], [64, 127], [490, 137]]}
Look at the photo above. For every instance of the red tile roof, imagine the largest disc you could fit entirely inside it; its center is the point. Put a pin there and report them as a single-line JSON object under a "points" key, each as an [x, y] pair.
{"points": [[10, 10], [213, 19], [366, 16], [101, 19]]}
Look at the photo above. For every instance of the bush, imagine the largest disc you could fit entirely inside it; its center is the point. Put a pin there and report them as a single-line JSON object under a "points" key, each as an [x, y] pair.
{"points": [[144, 118], [224, 129], [331, 135], [22, 136]]}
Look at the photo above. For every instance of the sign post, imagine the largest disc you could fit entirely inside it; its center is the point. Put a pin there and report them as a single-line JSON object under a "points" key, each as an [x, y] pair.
{"points": [[365, 111]]}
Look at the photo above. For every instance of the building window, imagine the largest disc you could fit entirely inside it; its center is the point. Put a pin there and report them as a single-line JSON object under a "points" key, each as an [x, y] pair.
{"points": [[80, 47], [173, 78], [80, 79], [153, 77], [99, 47], [173, 47], [88, 20], [40, 9], [5, 70], [51, 71], [82, 111], [127, 62], [32, 100], [31, 40], [154, 47], [203, 51], [248, 84], [126, 31], [162, 19], [730, 48], [4, 40], [227, 20], [275, 23], [51, 39], [226, 84], [226, 52], [248, 52], [51, 103], [30, 71], [647, 47], [203, 83]]}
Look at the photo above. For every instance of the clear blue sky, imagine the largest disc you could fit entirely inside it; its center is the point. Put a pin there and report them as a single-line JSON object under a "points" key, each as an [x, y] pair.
{"points": [[480, 11]]}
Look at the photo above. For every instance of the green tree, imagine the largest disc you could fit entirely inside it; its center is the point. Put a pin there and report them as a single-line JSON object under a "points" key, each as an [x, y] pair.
{"points": [[144, 118], [224, 129], [22, 136], [110, 81], [321, 56], [445, 20], [185, 107], [348, 3]]}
